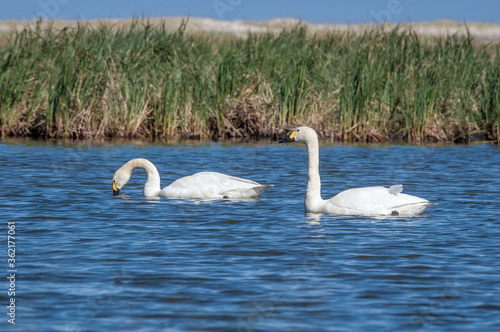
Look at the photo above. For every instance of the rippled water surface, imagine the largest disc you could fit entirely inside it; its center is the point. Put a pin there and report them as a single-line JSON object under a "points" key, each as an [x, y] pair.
{"points": [[87, 261]]}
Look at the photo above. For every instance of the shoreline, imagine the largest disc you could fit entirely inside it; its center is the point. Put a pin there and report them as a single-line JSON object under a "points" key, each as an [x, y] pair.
{"points": [[483, 32], [209, 80]]}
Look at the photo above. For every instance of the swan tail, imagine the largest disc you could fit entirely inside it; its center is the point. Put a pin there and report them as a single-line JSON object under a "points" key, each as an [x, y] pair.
{"points": [[254, 192], [260, 189], [411, 209]]}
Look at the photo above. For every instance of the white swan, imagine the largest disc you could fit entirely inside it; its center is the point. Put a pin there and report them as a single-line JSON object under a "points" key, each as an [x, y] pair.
{"points": [[369, 201], [203, 185]]}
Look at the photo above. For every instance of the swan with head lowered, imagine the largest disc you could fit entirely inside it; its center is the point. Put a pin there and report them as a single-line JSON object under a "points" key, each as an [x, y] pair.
{"points": [[203, 185], [368, 201]]}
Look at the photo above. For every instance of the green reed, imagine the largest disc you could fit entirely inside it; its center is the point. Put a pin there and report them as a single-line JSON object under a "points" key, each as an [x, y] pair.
{"points": [[148, 81]]}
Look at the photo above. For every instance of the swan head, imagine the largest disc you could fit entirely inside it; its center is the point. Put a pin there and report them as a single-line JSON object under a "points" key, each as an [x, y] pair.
{"points": [[120, 179], [301, 135]]}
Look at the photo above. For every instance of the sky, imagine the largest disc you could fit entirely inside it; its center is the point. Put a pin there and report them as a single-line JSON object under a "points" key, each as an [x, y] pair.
{"points": [[313, 11]]}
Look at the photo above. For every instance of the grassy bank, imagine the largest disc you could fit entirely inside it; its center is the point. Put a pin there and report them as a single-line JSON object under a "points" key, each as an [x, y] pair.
{"points": [[148, 81]]}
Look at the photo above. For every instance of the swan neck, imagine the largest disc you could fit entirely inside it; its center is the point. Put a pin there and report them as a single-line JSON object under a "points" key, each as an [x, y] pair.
{"points": [[313, 193], [152, 186]]}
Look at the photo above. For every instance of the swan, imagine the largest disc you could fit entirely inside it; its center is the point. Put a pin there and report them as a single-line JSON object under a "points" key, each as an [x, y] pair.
{"points": [[203, 185], [368, 201]]}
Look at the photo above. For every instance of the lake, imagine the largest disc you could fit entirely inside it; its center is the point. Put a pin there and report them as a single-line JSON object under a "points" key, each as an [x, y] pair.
{"points": [[88, 261]]}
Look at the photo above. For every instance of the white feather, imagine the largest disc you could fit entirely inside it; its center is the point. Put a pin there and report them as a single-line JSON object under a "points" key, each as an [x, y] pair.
{"points": [[370, 201], [203, 185], [396, 189]]}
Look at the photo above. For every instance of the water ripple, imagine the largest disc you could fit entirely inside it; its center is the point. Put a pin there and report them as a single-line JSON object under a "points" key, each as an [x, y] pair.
{"points": [[88, 261]]}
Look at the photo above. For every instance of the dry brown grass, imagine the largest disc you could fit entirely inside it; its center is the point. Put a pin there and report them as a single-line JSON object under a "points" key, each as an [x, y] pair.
{"points": [[213, 80]]}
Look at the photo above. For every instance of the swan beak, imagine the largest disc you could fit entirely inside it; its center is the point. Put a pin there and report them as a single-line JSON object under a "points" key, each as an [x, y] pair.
{"points": [[289, 138], [116, 191]]}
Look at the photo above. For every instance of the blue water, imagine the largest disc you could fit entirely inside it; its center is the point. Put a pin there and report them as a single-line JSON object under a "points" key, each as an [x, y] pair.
{"points": [[87, 261]]}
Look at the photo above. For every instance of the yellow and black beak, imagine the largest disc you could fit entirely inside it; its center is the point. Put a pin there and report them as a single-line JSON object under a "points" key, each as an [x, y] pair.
{"points": [[289, 138], [116, 191]]}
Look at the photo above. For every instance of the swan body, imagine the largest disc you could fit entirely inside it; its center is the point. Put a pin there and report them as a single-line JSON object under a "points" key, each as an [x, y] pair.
{"points": [[369, 201], [203, 185]]}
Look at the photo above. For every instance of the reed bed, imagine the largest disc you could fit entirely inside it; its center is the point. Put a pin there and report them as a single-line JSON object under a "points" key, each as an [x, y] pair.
{"points": [[148, 81]]}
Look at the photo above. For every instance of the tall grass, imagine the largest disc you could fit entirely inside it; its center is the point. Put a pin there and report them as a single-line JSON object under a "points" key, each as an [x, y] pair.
{"points": [[147, 81]]}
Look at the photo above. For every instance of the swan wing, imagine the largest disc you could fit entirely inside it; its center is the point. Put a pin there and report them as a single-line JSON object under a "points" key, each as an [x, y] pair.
{"points": [[377, 201], [213, 185]]}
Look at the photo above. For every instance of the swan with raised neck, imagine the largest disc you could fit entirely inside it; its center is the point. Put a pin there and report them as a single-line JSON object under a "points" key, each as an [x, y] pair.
{"points": [[203, 185], [370, 201]]}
